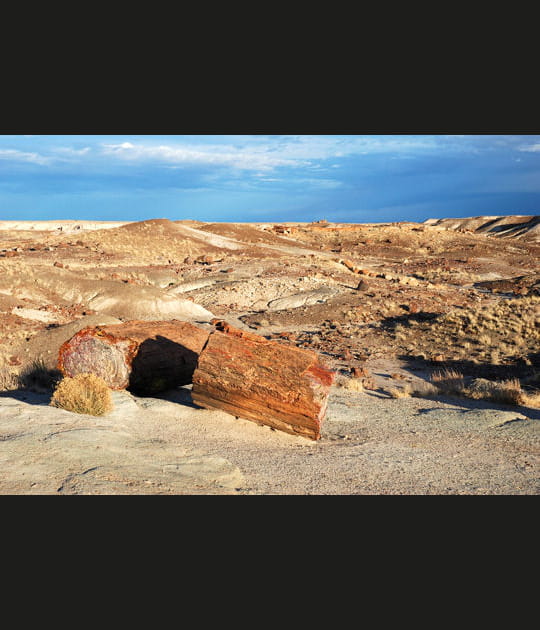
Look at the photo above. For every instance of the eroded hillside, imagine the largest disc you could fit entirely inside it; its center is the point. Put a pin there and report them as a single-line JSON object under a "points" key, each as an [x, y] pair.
{"points": [[402, 298]]}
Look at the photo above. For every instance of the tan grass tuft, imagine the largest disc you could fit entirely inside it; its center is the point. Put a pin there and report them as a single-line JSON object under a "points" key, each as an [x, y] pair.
{"points": [[353, 384], [449, 382], [508, 392], [424, 390], [8, 380], [531, 399], [399, 392], [84, 393]]}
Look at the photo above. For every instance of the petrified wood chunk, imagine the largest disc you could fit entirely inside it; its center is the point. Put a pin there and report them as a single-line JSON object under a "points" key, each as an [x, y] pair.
{"points": [[251, 377], [144, 357]]}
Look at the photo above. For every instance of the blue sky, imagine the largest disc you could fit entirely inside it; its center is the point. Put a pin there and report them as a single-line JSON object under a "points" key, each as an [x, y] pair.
{"points": [[348, 178]]}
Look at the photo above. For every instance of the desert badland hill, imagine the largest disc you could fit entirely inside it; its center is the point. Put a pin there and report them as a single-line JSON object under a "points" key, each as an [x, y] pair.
{"points": [[390, 307]]}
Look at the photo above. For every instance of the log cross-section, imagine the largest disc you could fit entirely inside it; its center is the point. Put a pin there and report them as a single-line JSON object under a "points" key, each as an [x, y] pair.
{"points": [[271, 383], [144, 357]]}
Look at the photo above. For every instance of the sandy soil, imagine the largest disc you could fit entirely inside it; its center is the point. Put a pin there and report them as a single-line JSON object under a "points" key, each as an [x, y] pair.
{"points": [[371, 444], [400, 301]]}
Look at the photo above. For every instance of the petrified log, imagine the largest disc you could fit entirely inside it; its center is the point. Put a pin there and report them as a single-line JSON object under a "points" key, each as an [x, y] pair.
{"points": [[144, 357], [266, 381]]}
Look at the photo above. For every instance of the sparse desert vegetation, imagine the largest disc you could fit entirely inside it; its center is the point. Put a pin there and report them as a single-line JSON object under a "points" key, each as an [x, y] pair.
{"points": [[425, 296], [8, 380], [450, 382], [432, 330], [83, 393]]}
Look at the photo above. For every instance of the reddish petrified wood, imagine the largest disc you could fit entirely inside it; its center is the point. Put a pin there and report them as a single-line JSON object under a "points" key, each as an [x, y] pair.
{"points": [[271, 383], [144, 357]]}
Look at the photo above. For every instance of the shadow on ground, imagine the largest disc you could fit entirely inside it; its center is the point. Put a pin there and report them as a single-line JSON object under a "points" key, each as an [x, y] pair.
{"points": [[469, 405], [41, 399], [180, 395], [471, 369]]}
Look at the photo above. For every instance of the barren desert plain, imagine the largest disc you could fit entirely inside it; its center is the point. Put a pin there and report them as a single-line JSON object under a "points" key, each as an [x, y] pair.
{"points": [[432, 330]]}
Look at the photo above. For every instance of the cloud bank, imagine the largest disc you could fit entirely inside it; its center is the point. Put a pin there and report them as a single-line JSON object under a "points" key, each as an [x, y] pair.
{"points": [[289, 176]]}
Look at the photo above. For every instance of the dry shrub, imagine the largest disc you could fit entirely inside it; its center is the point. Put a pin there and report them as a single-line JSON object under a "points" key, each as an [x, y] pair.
{"points": [[8, 380], [531, 399], [449, 382], [353, 384], [424, 390], [37, 377], [84, 393], [399, 392], [418, 390], [508, 392]]}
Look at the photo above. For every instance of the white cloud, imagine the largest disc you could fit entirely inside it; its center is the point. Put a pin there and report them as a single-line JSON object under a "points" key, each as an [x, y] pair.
{"points": [[73, 152], [24, 156], [265, 153], [532, 148], [255, 159]]}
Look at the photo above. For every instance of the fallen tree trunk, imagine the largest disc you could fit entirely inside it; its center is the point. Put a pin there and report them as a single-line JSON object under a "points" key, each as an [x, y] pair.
{"points": [[271, 383], [144, 357]]}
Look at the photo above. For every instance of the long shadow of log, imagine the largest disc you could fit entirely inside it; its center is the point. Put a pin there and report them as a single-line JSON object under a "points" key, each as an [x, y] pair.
{"points": [[160, 365], [180, 395]]}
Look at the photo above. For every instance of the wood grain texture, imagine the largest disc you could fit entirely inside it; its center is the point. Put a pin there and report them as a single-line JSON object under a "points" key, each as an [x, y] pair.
{"points": [[271, 383], [144, 357]]}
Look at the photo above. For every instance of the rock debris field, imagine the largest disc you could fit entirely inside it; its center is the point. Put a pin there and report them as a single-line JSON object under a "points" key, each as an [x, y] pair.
{"points": [[399, 313]]}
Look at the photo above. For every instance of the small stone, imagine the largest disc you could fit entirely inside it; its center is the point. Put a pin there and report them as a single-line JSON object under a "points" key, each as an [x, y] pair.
{"points": [[360, 372]]}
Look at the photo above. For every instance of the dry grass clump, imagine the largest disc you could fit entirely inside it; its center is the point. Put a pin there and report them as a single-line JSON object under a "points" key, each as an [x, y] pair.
{"points": [[515, 319], [352, 384], [37, 377], [531, 399], [8, 380], [500, 332], [418, 390], [84, 393], [399, 392], [448, 381], [424, 390], [508, 392]]}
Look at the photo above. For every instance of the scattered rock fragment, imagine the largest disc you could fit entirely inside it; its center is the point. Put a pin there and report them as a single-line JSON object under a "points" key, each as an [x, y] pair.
{"points": [[306, 298], [360, 372]]}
